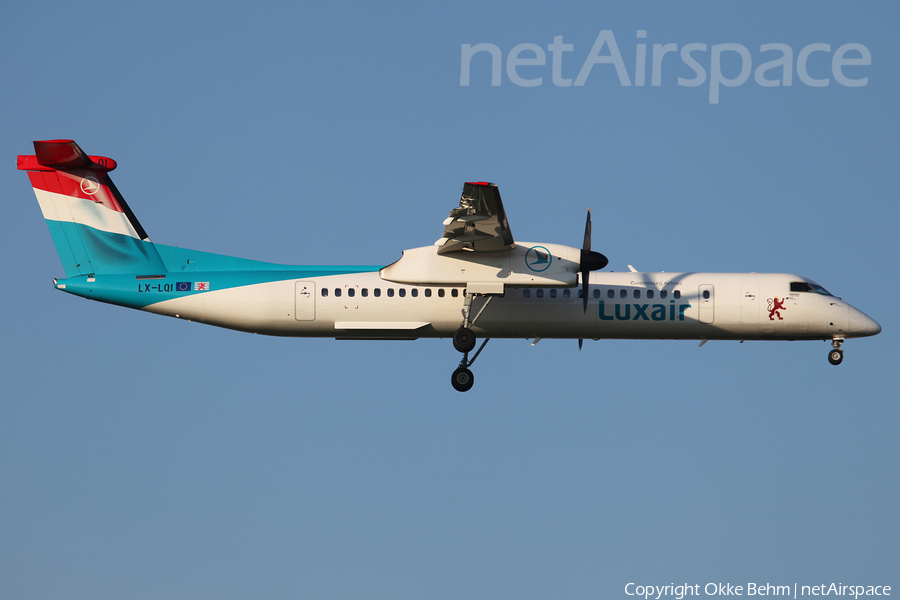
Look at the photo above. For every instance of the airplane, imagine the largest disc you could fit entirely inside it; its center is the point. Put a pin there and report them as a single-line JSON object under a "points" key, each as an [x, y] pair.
{"points": [[474, 282]]}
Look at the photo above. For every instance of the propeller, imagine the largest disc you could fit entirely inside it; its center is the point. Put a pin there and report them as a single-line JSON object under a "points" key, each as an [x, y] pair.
{"points": [[590, 261]]}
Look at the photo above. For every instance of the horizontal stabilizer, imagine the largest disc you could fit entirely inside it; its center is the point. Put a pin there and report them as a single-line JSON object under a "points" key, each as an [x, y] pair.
{"points": [[63, 155]]}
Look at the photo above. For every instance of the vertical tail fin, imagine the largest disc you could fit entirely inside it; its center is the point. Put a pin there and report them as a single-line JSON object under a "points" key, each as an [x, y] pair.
{"points": [[91, 224]]}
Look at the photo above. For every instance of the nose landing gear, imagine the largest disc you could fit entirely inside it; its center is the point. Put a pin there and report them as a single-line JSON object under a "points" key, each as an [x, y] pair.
{"points": [[836, 355]]}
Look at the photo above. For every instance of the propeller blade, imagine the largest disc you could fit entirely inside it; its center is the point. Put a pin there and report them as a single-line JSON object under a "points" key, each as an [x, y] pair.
{"points": [[580, 344], [585, 282], [585, 273], [590, 261], [587, 233]]}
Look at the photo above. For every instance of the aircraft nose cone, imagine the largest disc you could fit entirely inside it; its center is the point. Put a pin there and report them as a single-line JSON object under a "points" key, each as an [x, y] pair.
{"points": [[863, 323], [872, 327]]}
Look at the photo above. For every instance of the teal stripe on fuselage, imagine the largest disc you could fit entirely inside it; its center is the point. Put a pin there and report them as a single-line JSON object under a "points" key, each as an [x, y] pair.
{"points": [[113, 253], [130, 291], [128, 271], [182, 260]]}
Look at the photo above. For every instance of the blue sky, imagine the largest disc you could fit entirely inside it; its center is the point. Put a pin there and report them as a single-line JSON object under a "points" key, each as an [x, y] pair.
{"points": [[143, 457]]}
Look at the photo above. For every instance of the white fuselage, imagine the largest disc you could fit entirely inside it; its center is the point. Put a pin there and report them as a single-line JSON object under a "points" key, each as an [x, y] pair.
{"points": [[742, 306]]}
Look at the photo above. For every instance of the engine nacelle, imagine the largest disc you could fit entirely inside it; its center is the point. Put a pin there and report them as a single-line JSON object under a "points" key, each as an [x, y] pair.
{"points": [[535, 265]]}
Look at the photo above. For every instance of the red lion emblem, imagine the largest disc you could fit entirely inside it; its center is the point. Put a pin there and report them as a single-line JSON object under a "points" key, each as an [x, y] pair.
{"points": [[776, 305]]}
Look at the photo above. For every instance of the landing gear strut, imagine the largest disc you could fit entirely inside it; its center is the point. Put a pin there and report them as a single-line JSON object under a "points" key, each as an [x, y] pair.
{"points": [[836, 355], [464, 341]]}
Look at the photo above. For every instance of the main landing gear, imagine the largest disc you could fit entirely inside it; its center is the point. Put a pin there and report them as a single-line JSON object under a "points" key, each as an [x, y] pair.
{"points": [[836, 355], [462, 378], [464, 341]]}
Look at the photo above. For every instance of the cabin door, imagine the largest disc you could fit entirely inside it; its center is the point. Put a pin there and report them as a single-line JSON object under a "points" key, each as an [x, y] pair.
{"points": [[750, 303], [305, 301]]}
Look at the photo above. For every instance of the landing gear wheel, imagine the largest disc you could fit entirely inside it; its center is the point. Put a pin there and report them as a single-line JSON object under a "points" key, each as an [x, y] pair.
{"points": [[462, 380], [836, 356], [464, 340]]}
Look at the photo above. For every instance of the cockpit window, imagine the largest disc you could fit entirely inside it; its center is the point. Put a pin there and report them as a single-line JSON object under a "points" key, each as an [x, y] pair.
{"points": [[820, 289], [803, 286]]}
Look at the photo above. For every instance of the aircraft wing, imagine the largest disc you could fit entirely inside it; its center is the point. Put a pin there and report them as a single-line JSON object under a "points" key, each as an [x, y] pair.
{"points": [[478, 223]]}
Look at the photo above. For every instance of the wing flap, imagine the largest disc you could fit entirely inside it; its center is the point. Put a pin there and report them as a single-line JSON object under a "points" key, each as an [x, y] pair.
{"points": [[478, 223]]}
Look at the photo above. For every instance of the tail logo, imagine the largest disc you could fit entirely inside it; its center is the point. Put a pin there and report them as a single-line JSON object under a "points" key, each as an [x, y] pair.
{"points": [[775, 306], [90, 185]]}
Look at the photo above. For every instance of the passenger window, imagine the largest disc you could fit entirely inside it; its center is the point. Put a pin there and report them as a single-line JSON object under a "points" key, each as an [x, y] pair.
{"points": [[553, 293], [428, 292], [677, 293], [623, 293], [441, 293], [539, 293], [454, 292], [414, 292], [390, 292], [663, 294], [650, 294], [365, 292], [596, 292], [637, 294], [377, 292], [526, 293], [351, 292], [337, 292], [402, 292], [566, 293], [610, 293], [324, 292], [580, 293]]}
